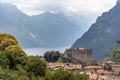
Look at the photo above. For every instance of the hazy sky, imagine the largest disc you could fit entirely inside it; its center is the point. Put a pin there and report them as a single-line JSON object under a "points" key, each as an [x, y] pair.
{"points": [[81, 7]]}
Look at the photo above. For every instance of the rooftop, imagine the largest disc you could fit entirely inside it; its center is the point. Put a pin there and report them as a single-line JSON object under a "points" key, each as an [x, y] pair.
{"points": [[71, 49]]}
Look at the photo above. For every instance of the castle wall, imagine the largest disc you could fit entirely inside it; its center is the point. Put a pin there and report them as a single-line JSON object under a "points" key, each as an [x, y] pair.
{"points": [[81, 54]]}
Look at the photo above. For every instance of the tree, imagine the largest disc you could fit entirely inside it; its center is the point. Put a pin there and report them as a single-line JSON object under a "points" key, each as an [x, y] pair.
{"points": [[16, 58], [4, 62], [36, 66], [7, 40], [61, 74], [11, 51], [81, 77], [52, 56], [115, 55], [60, 59], [7, 74], [15, 64]]}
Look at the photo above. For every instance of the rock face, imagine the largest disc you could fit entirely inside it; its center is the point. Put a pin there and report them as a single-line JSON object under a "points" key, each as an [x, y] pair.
{"points": [[102, 35], [118, 1]]}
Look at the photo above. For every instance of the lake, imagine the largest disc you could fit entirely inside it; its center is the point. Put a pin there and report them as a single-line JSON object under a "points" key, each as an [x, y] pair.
{"points": [[40, 51]]}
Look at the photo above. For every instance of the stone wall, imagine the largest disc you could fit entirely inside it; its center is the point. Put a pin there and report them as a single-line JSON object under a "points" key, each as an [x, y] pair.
{"points": [[82, 55]]}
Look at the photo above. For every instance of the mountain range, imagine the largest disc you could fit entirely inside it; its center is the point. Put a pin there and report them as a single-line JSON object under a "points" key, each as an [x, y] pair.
{"points": [[51, 30], [43, 30], [103, 34]]}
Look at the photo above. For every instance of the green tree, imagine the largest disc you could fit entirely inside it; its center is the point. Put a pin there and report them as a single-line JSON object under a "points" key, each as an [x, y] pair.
{"points": [[115, 55], [4, 62], [81, 77], [7, 40], [60, 59], [15, 64], [35, 66], [6, 74], [61, 74], [52, 56], [16, 58], [11, 51]]}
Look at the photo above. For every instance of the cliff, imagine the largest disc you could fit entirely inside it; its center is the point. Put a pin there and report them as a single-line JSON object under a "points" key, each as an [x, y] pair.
{"points": [[102, 35]]}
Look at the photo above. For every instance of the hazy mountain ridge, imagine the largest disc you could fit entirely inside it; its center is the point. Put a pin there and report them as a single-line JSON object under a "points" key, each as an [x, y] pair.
{"points": [[102, 35], [43, 30], [13, 21]]}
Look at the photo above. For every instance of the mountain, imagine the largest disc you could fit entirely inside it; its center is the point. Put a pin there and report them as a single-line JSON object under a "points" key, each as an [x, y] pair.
{"points": [[102, 34], [53, 30], [43, 30], [15, 22], [80, 20]]}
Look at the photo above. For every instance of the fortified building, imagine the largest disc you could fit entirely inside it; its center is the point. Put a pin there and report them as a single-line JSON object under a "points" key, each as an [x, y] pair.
{"points": [[79, 55]]}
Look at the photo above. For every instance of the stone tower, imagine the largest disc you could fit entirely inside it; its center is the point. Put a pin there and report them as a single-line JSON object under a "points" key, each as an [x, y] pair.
{"points": [[79, 55]]}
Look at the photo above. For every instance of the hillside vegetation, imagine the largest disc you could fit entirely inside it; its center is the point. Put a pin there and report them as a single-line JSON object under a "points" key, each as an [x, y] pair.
{"points": [[15, 64]]}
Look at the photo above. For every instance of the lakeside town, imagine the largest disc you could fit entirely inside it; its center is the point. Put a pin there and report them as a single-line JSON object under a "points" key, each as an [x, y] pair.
{"points": [[88, 30], [105, 70]]}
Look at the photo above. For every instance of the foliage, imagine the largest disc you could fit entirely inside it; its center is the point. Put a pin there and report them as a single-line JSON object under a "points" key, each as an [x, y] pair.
{"points": [[7, 74], [4, 62], [62, 74], [52, 56], [6, 41], [16, 65], [20, 74], [118, 41], [36, 66], [12, 59], [115, 55], [60, 59], [106, 59], [15, 59], [11, 54]]}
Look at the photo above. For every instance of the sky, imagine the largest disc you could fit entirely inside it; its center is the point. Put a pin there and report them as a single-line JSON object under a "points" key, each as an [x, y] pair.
{"points": [[80, 7]]}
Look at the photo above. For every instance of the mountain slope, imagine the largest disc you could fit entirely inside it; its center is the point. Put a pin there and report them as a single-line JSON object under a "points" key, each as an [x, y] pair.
{"points": [[102, 35], [15, 22], [54, 30], [43, 30]]}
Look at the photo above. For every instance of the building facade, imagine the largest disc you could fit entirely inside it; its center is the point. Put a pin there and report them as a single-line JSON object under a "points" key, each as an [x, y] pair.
{"points": [[81, 55]]}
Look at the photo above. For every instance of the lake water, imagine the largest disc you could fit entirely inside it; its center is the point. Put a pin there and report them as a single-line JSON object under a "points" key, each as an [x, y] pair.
{"points": [[40, 51]]}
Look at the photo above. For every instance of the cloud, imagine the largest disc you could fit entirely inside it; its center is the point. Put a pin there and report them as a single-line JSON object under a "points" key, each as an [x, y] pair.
{"points": [[81, 7], [89, 6]]}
